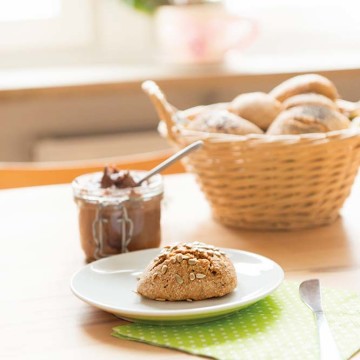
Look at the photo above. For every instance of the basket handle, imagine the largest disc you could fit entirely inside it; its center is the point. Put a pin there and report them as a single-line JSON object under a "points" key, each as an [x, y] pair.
{"points": [[165, 110]]}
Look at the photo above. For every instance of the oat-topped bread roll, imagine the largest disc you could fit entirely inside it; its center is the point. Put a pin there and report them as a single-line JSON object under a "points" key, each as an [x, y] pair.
{"points": [[188, 271], [308, 119], [309, 99], [310, 83], [223, 121]]}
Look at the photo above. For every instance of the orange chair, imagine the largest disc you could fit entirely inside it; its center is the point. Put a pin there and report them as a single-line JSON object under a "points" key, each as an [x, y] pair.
{"points": [[14, 175]]}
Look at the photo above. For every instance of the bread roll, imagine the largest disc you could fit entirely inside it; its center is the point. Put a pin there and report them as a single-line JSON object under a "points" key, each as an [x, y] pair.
{"points": [[355, 123], [223, 121], [310, 83], [349, 108], [308, 119], [192, 113], [257, 107], [309, 99], [188, 271]]}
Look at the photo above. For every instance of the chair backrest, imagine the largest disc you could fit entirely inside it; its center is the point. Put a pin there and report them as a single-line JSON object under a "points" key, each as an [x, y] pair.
{"points": [[16, 174]]}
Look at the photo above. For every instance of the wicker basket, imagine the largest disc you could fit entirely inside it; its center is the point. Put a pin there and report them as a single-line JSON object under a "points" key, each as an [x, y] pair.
{"points": [[267, 182]]}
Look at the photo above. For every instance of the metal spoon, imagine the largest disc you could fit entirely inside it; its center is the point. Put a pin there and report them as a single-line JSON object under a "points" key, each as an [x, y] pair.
{"points": [[178, 155], [311, 296]]}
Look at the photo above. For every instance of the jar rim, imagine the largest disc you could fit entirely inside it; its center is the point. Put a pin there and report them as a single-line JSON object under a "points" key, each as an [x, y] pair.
{"points": [[87, 187]]}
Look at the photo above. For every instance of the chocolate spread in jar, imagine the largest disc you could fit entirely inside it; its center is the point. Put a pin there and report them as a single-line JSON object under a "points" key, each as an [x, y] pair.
{"points": [[115, 216]]}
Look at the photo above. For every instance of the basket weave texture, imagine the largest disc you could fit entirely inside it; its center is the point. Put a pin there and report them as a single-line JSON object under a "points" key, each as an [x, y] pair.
{"points": [[273, 182]]}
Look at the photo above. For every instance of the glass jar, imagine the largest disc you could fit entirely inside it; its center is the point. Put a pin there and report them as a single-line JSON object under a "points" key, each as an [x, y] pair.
{"points": [[112, 220]]}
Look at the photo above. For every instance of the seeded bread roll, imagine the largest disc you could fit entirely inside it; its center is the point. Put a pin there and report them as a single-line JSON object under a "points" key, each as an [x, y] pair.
{"points": [[257, 107], [310, 83], [309, 99], [308, 119], [188, 271], [223, 121]]}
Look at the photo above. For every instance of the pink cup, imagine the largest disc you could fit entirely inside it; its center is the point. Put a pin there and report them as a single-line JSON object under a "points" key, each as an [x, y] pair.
{"points": [[203, 33]]}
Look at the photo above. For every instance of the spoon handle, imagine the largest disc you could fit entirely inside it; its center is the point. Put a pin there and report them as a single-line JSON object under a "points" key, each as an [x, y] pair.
{"points": [[328, 348], [178, 155]]}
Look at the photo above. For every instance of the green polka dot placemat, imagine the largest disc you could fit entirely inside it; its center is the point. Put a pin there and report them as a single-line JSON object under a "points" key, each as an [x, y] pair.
{"points": [[278, 327]]}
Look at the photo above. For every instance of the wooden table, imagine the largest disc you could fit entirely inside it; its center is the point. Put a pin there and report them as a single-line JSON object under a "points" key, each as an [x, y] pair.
{"points": [[41, 319]]}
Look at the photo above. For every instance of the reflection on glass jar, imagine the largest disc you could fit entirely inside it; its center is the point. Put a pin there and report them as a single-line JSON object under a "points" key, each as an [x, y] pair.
{"points": [[113, 221]]}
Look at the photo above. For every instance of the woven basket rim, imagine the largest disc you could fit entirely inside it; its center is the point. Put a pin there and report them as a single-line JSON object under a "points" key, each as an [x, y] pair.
{"points": [[173, 121], [181, 132]]}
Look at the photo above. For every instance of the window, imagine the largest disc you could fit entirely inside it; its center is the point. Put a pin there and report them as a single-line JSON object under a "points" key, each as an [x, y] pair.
{"points": [[61, 32], [20, 10], [40, 24]]}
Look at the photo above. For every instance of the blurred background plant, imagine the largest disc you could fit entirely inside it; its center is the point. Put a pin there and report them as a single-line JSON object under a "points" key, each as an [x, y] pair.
{"points": [[147, 6]]}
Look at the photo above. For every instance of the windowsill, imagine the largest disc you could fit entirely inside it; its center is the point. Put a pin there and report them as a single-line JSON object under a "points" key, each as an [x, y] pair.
{"points": [[24, 81], [51, 104]]}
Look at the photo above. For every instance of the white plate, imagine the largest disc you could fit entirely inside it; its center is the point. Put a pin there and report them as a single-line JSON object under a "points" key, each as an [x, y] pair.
{"points": [[110, 284]]}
